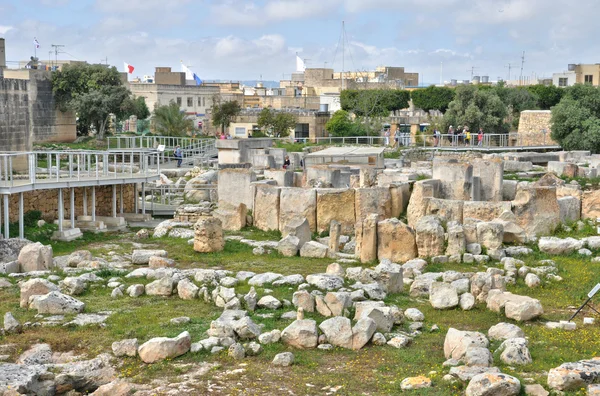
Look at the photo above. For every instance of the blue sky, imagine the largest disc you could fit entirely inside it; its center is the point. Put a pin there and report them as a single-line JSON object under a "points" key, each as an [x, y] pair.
{"points": [[240, 40]]}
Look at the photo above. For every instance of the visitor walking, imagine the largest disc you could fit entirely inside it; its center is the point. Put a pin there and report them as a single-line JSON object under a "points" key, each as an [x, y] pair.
{"points": [[467, 134], [387, 137], [178, 154], [480, 137], [436, 137]]}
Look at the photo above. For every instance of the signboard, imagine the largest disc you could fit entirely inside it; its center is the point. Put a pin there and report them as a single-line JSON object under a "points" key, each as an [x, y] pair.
{"points": [[161, 148], [594, 291]]}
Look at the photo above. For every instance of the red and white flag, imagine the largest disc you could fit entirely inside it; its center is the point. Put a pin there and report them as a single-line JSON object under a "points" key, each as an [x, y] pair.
{"points": [[128, 68]]}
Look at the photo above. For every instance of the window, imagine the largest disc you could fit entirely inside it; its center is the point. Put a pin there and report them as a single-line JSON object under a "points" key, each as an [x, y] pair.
{"points": [[240, 131], [563, 81], [199, 102], [301, 131], [179, 101], [588, 79], [203, 102], [190, 101]]}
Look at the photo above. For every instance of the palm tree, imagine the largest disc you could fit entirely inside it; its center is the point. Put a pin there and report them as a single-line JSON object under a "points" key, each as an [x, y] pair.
{"points": [[169, 120]]}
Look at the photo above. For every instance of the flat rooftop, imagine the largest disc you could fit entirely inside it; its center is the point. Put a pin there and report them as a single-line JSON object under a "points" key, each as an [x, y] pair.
{"points": [[348, 152]]}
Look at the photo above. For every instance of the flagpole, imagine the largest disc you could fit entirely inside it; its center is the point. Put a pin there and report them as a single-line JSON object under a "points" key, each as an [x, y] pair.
{"points": [[34, 48]]}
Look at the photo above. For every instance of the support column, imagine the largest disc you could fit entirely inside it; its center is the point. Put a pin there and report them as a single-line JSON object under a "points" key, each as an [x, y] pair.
{"points": [[21, 215], [121, 199], [85, 202], [143, 198], [6, 217], [72, 208], [61, 214], [114, 200], [93, 203], [136, 202]]}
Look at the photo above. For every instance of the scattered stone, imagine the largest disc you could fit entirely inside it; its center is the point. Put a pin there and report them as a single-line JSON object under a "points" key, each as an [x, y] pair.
{"points": [[493, 384], [532, 280], [457, 342], [125, 347], [142, 256], [237, 351], [467, 301], [284, 359], [443, 296], [414, 315], [515, 352], [302, 334], [504, 331], [269, 302], [413, 383], [56, 303], [11, 325], [165, 348]]}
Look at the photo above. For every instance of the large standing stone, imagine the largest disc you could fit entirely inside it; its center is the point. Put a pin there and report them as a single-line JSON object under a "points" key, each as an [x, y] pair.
{"points": [[161, 348], [430, 237], [492, 384], [366, 239], [338, 205], [570, 209], [442, 295], [338, 331], [235, 186], [303, 299], [208, 235], [233, 217], [457, 244], [300, 228], [266, 208], [56, 303], [590, 205], [35, 257], [335, 231], [490, 235], [302, 334], [446, 209], [395, 241], [491, 176], [537, 210], [297, 203], [376, 200], [484, 211], [457, 342], [35, 287], [422, 193], [456, 178]]}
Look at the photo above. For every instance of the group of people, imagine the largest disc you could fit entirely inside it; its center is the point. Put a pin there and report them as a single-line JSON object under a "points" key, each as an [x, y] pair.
{"points": [[459, 136], [400, 138]]}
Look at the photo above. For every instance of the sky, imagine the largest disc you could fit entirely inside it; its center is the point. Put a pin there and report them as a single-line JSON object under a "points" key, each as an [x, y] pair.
{"points": [[254, 40]]}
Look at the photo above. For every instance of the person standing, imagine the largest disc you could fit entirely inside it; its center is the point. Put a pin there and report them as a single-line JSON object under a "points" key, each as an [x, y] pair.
{"points": [[178, 154], [467, 137], [397, 136], [480, 137], [436, 137], [387, 137]]}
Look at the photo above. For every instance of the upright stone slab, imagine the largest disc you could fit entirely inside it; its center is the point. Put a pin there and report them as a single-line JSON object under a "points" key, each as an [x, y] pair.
{"points": [[400, 193], [233, 217], [590, 205], [208, 235], [536, 209], [456, 178], [266, 208], [368, 177], [491, 176], [373, 200], [334, 236], [283, 177], [366, 238], [338, 205], [570, 209], [298, 203], [430, 237], [234, 186], [422, 192], [395, 241], [485, 211], [445, 209]]}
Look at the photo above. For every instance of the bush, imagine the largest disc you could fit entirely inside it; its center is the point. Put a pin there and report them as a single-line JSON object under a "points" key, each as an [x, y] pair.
{"points": [[31, 218]]}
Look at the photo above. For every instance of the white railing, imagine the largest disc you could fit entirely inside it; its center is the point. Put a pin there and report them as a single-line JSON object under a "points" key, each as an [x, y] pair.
{"points": [[152, 142], [22, 168]]}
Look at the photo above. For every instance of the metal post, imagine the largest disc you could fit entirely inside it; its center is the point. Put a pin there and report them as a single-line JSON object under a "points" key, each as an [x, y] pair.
{"points": [[121, 199], [72, 208], [1, 235], [61, 214], [136, 203], [143, 198], [21, 222], [6, 217], [93, 203], [114, 200], [85, 202]]}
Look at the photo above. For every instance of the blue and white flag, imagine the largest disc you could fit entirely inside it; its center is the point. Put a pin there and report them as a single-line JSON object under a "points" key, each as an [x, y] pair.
{"points": [[197, 79], [36, 43]]}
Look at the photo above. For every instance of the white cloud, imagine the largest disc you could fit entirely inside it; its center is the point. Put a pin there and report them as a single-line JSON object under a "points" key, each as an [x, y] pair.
{"points": [[5, 29]]}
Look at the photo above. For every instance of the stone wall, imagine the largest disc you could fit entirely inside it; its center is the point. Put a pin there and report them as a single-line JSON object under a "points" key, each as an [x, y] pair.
{"points": [[46, 201], [14, 115], [532, 125]]}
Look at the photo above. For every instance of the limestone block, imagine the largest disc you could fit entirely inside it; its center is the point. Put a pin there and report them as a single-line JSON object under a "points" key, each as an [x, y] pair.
{"points": [[338, 205], [590, 205], [298, 203], [366, 238], [491, 176], [335, 230], [300, 228], [536, 209], [395, 241], [376, 200], [430, 237], [457, 244], [445, 209], [233, 217], [456, 178], [234, 186], [208, 235], [484, 211], [400, 193], [570, 209], [35, 257], [367, 177], [422, 192], [266, 208]]}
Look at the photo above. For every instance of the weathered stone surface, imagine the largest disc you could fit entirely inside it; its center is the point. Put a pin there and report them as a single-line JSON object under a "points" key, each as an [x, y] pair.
{"points": [[478, 356], [466, 373], [375, 200], [142, 256], [413, 383], [445, 209], [574, 376], [395, 241], [336, 205], [35, 257], [338, 331], [457, 244], [313, 249], [570, 209], [35, 287], [11, 324], [187, 290], [366, 238], [160, 287], [490, 235], [537, 210], [520, 308], [515, 351], [161, 348], [362, 332], [482, 283], [430, 237], [303, 299], [269, 302], [422, 192], [335, 231], [302, 334], [590, 205], [160, 262], [289, 246], [504, 331], [233, 217], [299, 228], [208, 235], [73, 285], [456, 178], [490, 384], [284, 359], [442, 295], [467, 301], [457, 342], [295, 204], [264, 278], [266, 208], [484, 211], [56, 303], [125, 347], [556, 246]]}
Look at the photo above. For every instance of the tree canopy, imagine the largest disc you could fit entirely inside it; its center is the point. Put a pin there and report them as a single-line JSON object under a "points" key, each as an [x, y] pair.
{"points": [[432, 98], [547, 96], [476, 108], [340, 124], [276, 123], [94, 92], [576, 119], [373, 102], [224, 112], [170, 120]]}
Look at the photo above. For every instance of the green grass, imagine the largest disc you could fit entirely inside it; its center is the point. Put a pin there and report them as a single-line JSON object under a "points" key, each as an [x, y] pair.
{"points": [[88, 144], [373, 370]]}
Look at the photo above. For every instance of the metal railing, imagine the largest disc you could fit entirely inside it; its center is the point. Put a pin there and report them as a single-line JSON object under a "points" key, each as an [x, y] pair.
{"points": [[23, 168], [152, 142], [165, 198]]}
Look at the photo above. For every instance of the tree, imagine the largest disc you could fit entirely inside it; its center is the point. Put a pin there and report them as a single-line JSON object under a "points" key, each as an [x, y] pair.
{"points": [[224, 112], [374, 102], [547, 96], [340, 124], [576, 119], [276, 123], [169, 120], [81, 87], [476, 109], [137, 107], [432, 98]]}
